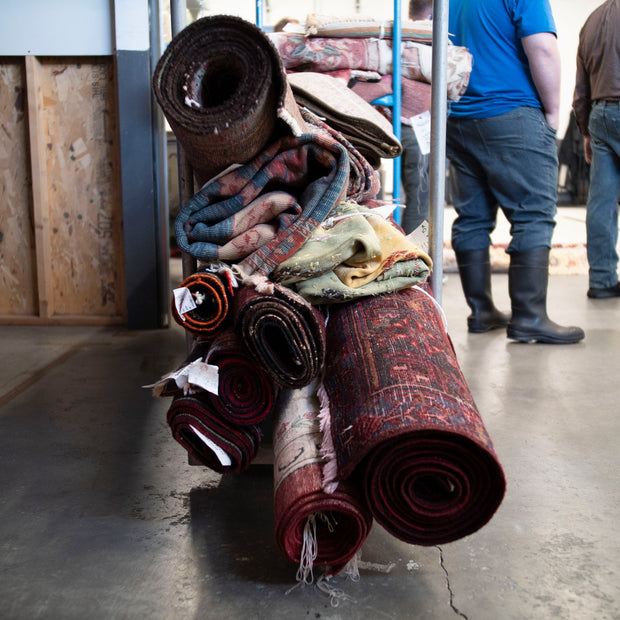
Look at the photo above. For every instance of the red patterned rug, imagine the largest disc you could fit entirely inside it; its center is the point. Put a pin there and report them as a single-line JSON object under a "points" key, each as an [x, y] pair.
{"points": [[403, 419], [312, 527], [217, 444], [246, 394]]}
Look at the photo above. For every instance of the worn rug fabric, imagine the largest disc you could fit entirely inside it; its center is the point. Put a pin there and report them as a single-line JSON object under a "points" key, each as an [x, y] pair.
{"points": [[246, 393], [283, 332], [327, 54], [214, 442], [357, 251], [359, 26], [344, 110], [212, 294], [402, 418], [262, 212], [221, 86], [312, 527]]}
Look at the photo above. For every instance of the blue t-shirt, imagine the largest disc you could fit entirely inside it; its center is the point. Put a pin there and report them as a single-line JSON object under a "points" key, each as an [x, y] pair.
{"points": [[492, 31]]}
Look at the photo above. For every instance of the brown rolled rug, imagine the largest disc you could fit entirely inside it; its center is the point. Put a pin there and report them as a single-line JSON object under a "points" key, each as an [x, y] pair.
{"points": [[402, 418], [283, 332], [221, 85], [312, 527]]}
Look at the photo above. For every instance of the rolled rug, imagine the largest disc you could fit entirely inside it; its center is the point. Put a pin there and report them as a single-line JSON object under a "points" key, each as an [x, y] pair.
{"points": [[312, 527], [344, 110], [401, 416], [283, 332], [262, 212], [202, 303], [221, 86], [217, 444], [246, 394]]}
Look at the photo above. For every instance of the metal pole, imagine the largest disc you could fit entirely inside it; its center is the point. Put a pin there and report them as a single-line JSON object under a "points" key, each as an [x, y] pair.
{"points": [[437, 170], [396, 100], [178, 21], [178, 9]]}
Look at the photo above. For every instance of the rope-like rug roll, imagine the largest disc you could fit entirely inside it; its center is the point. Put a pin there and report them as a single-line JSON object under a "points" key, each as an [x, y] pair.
{"points": [[403, 418], [246, 394], [222, 88], [219, 445], [283, 332], [213, 294], [312, 527]]}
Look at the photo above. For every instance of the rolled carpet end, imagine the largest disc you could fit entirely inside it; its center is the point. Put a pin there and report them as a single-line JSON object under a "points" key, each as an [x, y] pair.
{"points": [[405, 421], [212, 297], [246, 393], [312, 527], [283, 332], [220, 446], [221, 86]]}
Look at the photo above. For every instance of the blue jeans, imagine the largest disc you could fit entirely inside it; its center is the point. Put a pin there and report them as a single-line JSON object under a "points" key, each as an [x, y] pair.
{"points": [[415, 180], [510, 162], [602, 207]]}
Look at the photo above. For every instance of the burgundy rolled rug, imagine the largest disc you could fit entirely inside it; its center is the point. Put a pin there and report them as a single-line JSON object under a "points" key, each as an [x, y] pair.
{"points": [[217, 444], [312, 527], [246, 394], [283, 332], [402, 417]]}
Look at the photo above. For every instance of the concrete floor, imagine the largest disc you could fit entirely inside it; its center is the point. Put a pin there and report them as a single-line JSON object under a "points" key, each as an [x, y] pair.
{"points": [[102, 517]]}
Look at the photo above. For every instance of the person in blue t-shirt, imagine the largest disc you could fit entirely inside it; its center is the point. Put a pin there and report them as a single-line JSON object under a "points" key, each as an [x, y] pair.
{"points": [[501, 145]]}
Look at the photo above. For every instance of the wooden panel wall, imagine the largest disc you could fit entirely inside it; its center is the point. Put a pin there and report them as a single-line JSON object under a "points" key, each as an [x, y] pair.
{"points": [[61, 243], [18, 293]]}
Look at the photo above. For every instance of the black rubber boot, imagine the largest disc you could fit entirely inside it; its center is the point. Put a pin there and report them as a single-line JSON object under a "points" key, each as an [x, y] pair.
{"points": [[475, 272], [528, 278]]}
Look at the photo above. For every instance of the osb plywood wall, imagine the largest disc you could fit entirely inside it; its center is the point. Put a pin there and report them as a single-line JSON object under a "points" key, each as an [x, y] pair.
{"points": [[61, 258]]}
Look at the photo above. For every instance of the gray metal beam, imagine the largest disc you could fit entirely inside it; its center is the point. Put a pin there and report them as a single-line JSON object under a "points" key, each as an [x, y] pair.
{"points": [[437, 171]]}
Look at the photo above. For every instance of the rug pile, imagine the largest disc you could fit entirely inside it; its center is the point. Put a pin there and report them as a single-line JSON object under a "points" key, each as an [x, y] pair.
{"points": [[309, 309]]}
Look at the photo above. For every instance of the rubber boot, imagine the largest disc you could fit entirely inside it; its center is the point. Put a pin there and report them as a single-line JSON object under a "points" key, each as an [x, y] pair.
{"points": [[475, 272], [528, 278]]}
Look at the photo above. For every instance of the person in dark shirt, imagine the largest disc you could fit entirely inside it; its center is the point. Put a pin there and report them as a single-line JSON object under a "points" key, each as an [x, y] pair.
{"points": [[596, 103]]}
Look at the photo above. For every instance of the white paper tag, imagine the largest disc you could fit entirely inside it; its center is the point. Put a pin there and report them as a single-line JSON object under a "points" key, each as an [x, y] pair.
{"points": [[384, 210], [197, 374], [422, 128], [183, 300], [203, 375], [222, 457]]}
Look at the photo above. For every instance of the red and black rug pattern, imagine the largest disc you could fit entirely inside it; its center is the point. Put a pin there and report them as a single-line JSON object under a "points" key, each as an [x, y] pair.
{"points": [[404, 420]]}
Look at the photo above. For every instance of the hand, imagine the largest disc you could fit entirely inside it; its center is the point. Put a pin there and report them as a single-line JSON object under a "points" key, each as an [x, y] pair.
{"points": [[587, 149], [553, 119]]}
